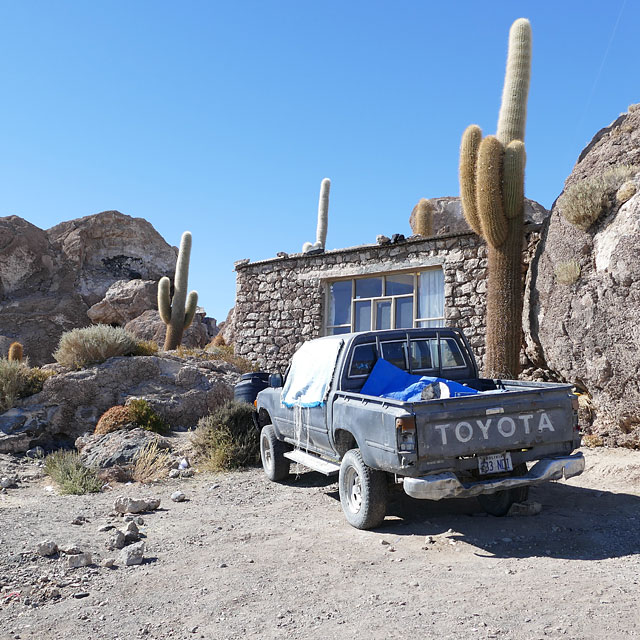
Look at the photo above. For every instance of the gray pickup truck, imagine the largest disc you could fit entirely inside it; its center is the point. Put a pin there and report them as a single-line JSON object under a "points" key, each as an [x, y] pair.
{"points": [[460, 436]]}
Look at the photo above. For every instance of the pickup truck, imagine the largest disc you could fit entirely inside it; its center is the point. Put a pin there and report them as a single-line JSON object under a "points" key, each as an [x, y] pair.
{"points": [[461, 436]]}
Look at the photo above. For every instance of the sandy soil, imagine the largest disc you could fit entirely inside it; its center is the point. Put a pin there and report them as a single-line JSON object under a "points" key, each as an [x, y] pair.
{"points": [[244, 557]]}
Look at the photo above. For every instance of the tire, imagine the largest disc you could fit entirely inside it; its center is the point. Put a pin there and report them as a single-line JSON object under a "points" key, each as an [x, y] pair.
{"points": [[276, 466], [363, 492], [499, 503]]}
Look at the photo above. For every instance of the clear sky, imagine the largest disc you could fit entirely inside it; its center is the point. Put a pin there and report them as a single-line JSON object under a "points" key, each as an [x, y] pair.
{"points": [[223, 117]]}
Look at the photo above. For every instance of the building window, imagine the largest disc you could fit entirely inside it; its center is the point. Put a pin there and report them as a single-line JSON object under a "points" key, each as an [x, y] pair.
{"points": [[390, 301]]}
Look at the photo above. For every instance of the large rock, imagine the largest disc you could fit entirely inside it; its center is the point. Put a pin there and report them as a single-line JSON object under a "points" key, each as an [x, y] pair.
{"points": [[448, 216], [116, 448], [49, 279], [70, 404], [587, 332], [149, 326], [124, 301]]}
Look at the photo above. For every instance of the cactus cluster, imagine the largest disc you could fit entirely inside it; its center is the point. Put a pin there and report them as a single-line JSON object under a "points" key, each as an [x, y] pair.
{"points": [[15, 352], [323, 219], [492, 194], [177, 313]]}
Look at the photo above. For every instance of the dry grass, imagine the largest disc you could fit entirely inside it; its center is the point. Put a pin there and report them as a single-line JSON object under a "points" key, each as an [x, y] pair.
{"points": [[626, 191], [592, 440], [150, 464], [14, 378], [567, 272], [218, 353], [71, 474], [80, 348], [585, 201]]}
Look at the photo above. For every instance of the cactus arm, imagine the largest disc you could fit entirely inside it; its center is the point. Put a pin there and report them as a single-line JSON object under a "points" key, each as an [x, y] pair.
{"points": [[513, 110], [471, 139], [182, 276], [423, 218], [164, 299], [190, 309], [323, 212], [513, 179], [489, 191]]}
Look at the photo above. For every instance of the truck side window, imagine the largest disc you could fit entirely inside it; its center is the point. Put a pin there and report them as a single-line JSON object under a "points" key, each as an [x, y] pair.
{"points": [[424, 354], [395, 353], [451, 356], [362, 361]]}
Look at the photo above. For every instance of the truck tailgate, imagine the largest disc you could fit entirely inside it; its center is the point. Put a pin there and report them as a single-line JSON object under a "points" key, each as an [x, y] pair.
{"points": [[492, 423]]}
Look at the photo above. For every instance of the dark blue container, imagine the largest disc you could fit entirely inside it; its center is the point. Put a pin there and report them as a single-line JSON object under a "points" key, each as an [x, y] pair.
{"points": [[249, 386]]}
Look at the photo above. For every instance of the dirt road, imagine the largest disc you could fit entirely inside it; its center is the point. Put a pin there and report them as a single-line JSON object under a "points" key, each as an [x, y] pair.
{"points": [[245, 558]]}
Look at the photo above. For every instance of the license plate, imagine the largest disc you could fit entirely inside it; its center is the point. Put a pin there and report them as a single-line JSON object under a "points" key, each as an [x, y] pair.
{"points": [[496, 463]]}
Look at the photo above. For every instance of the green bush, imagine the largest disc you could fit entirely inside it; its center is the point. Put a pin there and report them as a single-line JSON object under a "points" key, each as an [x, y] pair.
{"points": [[71, 474], [585, 201], [227, 438], [145, 417], [92, 345], [14, 378]]}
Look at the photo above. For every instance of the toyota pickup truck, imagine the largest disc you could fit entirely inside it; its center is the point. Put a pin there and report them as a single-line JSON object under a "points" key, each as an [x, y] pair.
{"points": [[448, 434]]}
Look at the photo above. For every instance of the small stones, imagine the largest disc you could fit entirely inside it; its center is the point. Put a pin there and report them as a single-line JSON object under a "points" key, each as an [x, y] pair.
{"points": [[525, 509], [70, 549], [131, 533], [107, 562], [8, 481], [79, 560], [174, 473], [47, 548], [106, 527], [124, 504], [81, 594], [79, 520], [117, 540], [35, 453], [178, 496], [132, 555]]}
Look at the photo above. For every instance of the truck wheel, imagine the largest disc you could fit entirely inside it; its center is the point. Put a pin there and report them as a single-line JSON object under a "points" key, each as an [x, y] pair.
{"points": [[363, 492], [272, 450], [499, 503]]}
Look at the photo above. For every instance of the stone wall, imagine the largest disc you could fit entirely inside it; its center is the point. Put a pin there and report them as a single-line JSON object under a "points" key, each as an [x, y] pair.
{"points": [[280, 303]]}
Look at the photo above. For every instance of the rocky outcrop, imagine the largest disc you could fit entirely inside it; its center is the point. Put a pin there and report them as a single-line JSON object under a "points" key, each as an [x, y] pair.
{"points": [[149, 326], [118, 448], [448, 216], [49, 279], [180, 390], [124, 301], [583, 295]]}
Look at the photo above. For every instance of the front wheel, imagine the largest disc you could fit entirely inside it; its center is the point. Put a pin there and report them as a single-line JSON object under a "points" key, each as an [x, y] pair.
{"points": [[363, 492], [272, 450]]}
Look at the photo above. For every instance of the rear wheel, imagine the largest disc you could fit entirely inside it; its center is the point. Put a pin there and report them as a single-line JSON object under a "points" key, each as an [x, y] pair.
{"points": [[363, 492], [499, 503], [272, 450]]}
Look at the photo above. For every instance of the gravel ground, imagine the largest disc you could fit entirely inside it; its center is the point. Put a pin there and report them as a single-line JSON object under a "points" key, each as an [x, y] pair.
{"points": [[243, 557]]}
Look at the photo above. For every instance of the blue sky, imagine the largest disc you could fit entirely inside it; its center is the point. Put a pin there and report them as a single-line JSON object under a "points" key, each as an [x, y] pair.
{"points": [[223, 117]]}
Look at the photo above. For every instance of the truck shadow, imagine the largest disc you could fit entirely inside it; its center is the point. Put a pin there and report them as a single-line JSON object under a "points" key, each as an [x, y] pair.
{"points": [[574, 523]]}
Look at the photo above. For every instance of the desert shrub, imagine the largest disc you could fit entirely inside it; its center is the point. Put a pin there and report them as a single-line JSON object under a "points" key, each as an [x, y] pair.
{"points": [[145, 417], [36, 377], [219, 341], [626, 191], [226, 354], [227, 438], [14, 378], [146, 348], [79, 348], [585, 201], [113, 419], [567, 272], [592, 440], [150, 463], [71, 474]]}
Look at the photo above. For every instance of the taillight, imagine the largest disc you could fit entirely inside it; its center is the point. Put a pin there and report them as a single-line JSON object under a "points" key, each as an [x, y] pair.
{"points": [[575, 406], [406, 434]]}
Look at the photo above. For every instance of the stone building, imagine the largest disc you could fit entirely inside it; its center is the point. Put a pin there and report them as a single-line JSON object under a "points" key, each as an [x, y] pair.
{"points": [[419, 282]]}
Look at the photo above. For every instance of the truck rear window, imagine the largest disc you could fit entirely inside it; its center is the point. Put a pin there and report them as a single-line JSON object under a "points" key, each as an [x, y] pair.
{"points": [[362, 361]]}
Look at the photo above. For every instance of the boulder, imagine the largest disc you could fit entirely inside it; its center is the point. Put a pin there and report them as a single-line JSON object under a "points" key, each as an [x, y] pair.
{"points": [[124, 301], [70, 404], [448, 216], [583, 294], [149, 326], [116, 448]]}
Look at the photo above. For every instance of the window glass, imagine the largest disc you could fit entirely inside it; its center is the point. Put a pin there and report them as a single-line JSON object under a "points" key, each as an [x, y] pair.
{"points": [[334, 331], [430, 323], [431, 294], [424, 354], [395, 353], [404, 313], [399, 285], [363, 359], [340, 303], [363, 316], [368, 287], [451, 355], [383, 314]]}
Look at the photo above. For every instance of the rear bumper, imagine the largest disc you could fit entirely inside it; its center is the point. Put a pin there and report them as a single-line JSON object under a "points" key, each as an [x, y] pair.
{"points": [[446, 485]]}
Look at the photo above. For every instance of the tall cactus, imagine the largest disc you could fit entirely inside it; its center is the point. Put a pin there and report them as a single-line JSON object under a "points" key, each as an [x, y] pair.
{"points": [[15, 352], [175, 313], [492, 194], [421, 219], [323, 219]]}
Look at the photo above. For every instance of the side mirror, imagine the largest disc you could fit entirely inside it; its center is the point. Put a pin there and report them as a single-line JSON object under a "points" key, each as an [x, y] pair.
{"points": [[275, 380]]}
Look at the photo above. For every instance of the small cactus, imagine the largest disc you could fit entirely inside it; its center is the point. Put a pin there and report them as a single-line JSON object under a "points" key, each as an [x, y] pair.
{"points": [[15, 352], [178, 313], [323, 219], [421, 218]]}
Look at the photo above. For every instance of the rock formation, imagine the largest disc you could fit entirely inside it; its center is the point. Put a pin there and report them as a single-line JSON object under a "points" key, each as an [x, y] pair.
{"points": [[181, 391], [583, 293]]}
